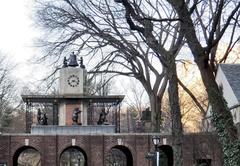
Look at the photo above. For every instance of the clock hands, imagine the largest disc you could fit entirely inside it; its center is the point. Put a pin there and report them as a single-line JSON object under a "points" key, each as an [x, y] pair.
{"points": [[73, 80]]}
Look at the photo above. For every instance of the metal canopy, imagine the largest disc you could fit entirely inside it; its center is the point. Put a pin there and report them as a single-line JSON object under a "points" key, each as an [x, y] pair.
{"points": [[58, 98]]}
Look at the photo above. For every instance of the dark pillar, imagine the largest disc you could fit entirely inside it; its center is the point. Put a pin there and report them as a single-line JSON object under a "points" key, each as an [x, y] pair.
{"points": [[55, 113], [28, 117], [90, 113], [118, 119]]}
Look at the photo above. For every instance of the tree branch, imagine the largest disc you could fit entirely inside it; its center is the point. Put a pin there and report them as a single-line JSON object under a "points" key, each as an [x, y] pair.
{"points": [[203, 112]]}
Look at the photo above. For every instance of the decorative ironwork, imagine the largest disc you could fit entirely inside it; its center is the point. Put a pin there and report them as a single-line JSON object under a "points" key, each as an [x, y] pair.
{"points": [[72, 156], [116, 158], [96, 104]]}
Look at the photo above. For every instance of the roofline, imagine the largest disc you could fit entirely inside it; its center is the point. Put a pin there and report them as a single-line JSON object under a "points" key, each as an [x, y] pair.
{"points": [[58, 98]]}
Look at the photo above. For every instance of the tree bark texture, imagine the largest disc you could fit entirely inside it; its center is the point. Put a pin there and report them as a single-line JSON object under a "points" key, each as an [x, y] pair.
{"points": [[221, 115], [177, 133], [155, 103]]}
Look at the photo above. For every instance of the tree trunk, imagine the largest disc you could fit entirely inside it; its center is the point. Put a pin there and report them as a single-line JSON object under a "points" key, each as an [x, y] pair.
{"points": [[155, 103], [221, 116], [177, 133]]}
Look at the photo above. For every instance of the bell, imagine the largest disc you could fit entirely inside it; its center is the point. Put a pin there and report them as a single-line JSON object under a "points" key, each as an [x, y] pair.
{"points": [[73, 60]]}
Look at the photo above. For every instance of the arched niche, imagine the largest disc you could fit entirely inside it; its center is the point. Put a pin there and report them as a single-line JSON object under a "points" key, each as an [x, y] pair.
{"points": [[166, 155], [119, 156], [73, 156], [27, 155]]}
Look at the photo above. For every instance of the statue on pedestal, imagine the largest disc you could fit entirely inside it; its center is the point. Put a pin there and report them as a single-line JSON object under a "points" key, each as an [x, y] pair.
{"points": [[76, 111], [103, 117], [41, 118]]}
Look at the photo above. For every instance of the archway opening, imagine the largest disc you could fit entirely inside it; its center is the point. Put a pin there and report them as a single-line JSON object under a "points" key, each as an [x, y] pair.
{"points": [[27, 156], [73, 156], [119, 156], [166, 155]]}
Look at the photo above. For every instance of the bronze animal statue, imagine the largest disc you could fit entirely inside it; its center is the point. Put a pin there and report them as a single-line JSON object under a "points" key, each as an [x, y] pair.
{"points": [[75, 113]]}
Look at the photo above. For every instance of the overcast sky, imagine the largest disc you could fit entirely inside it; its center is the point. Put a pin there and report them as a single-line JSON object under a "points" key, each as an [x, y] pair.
{"points": [[17, 33]]}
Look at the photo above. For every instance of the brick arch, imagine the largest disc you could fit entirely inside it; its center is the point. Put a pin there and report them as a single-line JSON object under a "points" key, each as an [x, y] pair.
{"points": [[77, 148], [20, 150], [109, 144], [126, 151], [168, 151]]}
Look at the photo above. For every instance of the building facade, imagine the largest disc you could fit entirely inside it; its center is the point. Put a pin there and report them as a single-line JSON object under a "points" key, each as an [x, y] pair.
{"points": [[84, 130], [96, 149], [228, 80]]}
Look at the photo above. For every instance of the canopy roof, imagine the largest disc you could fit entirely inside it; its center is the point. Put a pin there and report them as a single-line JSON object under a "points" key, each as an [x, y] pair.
{"points": [[59, 98]]}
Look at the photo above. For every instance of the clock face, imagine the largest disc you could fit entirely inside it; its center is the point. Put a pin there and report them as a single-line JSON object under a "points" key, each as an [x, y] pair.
{"points": [[73, 80]]}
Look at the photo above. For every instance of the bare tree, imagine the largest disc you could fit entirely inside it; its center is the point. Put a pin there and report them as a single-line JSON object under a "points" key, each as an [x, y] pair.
{"points": [[136, 36], [193, 100], [99, 29], [191, 114], [223, 16], [99, 84], [135, 97], [8, 95], [137, 101], [192, 25], [147, 52]]}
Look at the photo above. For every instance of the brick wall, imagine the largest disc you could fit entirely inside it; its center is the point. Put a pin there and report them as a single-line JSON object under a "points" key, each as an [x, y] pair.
{"points": [[96, 147]]}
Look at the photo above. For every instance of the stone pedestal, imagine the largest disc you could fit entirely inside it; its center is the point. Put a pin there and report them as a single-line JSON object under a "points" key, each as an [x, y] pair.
{"points": [[75, 130]]}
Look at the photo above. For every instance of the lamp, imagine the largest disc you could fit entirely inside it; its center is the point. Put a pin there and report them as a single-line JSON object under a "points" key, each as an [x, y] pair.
{"points": [[155, 140]]}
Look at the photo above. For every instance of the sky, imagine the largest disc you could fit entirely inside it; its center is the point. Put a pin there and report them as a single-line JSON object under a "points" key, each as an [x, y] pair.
{"points": [[17, 34]]}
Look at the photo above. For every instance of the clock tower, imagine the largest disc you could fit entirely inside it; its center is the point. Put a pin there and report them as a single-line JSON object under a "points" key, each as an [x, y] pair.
{"points": [[74, 111], [72, 77], [72, 85]]}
